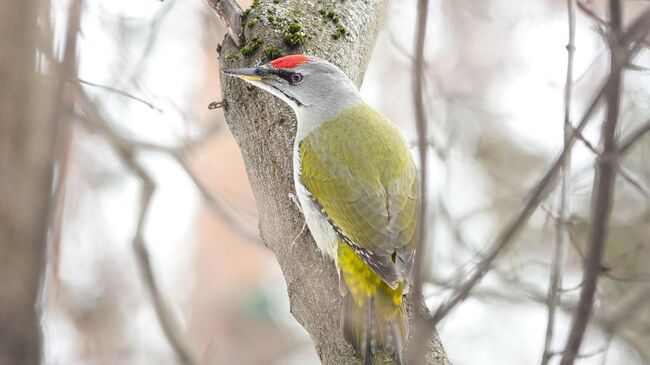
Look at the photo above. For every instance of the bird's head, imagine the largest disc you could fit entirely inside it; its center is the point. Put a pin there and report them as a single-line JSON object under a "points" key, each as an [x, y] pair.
{"points": [[303, 82]]}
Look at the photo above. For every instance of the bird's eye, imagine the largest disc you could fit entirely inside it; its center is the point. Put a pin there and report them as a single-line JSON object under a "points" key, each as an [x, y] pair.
{"points": [[296, 79]]}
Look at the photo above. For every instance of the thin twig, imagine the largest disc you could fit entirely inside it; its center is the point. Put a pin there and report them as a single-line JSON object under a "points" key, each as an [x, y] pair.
{"points": [[611, 322], [537, 194], [600, 21], [216, 204], [168, 322], [627, 308], [633, 181], [638, 29], [632, 138], [417, 350], [603, 188], [113, 90], [555, 282], [103, 87], [230, 14], [178, 153], [626, 175], [60, 158]]}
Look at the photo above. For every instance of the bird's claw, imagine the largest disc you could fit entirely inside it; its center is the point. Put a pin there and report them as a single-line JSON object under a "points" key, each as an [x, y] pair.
{"points": [[295, 201]]}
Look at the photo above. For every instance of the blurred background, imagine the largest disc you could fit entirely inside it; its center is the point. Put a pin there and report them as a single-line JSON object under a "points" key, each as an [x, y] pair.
{"points": [[495, 73]]}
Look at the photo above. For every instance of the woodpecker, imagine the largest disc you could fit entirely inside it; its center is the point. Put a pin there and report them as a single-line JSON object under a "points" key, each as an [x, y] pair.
{"points": [[356, 183]]}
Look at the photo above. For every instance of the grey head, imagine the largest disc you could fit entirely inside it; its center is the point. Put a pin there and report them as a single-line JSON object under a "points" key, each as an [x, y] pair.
{"points": [[314, 88]]}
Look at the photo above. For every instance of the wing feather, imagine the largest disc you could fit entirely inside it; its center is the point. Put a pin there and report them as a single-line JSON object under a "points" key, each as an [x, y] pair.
{"points": [[359, 170]]}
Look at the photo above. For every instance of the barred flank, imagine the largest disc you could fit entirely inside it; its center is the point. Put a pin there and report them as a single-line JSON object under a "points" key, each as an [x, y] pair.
{"points": [[372, 316]]}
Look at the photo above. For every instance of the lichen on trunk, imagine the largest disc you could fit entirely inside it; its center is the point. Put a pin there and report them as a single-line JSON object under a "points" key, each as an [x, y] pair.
{"points": [[343, 32]]}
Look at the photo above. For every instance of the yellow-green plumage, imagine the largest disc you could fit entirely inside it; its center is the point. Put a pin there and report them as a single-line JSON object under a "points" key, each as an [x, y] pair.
{"points": [[359, 171], [363, 283]]}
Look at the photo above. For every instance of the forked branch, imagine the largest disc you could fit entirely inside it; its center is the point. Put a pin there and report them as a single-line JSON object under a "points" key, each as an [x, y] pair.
{"points": [[629, 47], [603, 188]]}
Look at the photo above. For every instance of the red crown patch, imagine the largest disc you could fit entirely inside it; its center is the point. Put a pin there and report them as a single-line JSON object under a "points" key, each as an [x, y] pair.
{"points": [[290, 61]]}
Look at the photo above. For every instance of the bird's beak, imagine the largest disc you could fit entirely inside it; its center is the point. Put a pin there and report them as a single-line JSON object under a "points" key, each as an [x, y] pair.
{"points": [[248, 74]]}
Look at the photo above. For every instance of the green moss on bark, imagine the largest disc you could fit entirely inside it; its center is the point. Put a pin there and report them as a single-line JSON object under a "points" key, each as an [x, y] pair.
{"points": [[294, 35], [272, 53], [251, 46]]}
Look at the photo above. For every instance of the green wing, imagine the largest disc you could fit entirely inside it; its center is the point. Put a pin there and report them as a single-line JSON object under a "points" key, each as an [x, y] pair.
{"points": [[359, 170]]}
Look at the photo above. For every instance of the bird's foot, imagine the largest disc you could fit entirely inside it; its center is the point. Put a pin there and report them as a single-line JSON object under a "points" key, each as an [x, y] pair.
{"points": [[295, 201], [302, 230]]}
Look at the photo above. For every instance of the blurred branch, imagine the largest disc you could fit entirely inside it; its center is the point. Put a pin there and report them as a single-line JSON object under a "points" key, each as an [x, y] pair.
{"points": [[602, 22], [66, 68], [216, 204], [635, 182], [627, 308], [31, 111], [154, 31], [626, 175], [559, 254], [537, 194], [113, 90], [630, 45], [230, 14], [632, 138], [444, 214], [417, 348], [611, 321], [168, 323], [164, 312], [178, 153], [603, 187]]}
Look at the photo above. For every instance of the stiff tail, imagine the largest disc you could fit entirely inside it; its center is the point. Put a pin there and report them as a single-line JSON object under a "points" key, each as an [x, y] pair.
{"points": [[374, 325], [372, 316]]}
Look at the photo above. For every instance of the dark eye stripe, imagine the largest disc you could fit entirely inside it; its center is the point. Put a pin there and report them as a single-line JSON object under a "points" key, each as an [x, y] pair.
{"points": [[283, 73]]}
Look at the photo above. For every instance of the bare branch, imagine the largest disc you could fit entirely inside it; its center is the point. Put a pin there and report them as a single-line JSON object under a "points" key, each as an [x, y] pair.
{"points": [[602, 22], [626, 175], [633, 181], [555, 282], [537, 194], [64, 68], [629, 141], [168, 322], [230, 14], [417, 349], [603, 187], [631, 46], [628, 307], [216, 204], [179, 153], [113, 90]]}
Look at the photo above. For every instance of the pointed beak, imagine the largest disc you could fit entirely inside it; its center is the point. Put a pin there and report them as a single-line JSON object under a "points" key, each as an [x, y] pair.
{"points": [[248, 74]]}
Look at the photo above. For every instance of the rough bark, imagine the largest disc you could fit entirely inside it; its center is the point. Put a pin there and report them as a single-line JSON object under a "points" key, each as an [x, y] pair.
{"points": [[27, 135], [264, 128]]}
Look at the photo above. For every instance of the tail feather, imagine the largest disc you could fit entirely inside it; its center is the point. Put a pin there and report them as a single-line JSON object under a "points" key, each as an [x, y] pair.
{"points": [[397, 342], [372, 317], [369, 328], [368, 334]]}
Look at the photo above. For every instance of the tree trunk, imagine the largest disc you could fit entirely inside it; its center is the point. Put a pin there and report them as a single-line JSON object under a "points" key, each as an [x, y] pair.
{"points": [[27, 135], [264, 128]]}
